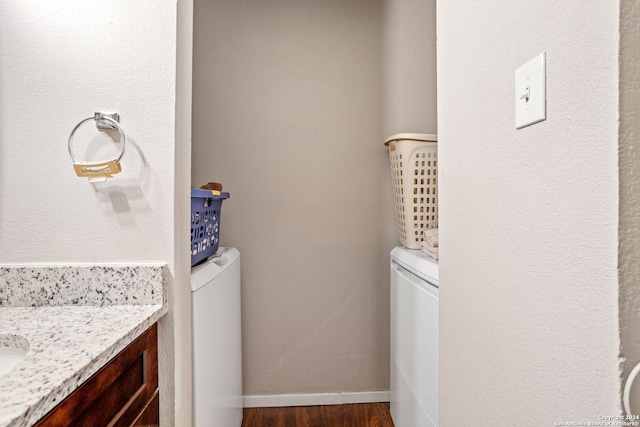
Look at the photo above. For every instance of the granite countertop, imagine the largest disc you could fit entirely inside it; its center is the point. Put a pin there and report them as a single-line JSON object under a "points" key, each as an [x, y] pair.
{"points": [[72, 320]]}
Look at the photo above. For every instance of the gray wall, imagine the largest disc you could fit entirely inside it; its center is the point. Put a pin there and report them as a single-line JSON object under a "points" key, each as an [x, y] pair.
{"points": [[410, 67], [292, 102], [629, 228], [287, 114]]}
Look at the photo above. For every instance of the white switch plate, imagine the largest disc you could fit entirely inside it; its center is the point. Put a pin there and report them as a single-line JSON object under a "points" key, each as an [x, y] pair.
{"points": [[531, 92]]}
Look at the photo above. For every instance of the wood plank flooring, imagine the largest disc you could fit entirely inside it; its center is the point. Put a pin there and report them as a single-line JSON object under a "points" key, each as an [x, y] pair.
{"points": [[353, 415]]}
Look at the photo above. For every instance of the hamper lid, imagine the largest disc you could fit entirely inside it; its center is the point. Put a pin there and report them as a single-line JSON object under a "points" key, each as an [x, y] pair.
{"points": [[426, 137]]}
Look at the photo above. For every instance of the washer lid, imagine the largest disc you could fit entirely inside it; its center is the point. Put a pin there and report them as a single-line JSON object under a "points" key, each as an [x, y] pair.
{"points": [[418, 263], [426, 137], [205, 273]]}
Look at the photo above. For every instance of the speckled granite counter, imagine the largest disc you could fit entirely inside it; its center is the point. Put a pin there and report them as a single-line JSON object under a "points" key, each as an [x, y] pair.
{"points": [[73, 320]]}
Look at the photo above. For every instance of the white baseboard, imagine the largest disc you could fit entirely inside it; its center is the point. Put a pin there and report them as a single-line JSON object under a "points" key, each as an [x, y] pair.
{"points": [[365, 397], [312, 399]]}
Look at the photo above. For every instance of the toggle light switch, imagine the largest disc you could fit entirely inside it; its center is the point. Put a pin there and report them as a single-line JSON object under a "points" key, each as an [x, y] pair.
{"points": [[531, 92]]}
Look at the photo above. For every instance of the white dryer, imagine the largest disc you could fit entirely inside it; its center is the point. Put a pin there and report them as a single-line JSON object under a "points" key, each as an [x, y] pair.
{"points": [[414, 339], [217, 341]]}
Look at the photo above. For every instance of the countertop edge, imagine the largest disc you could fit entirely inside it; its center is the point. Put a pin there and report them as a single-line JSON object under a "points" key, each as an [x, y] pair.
{"points": [[35, 411]]}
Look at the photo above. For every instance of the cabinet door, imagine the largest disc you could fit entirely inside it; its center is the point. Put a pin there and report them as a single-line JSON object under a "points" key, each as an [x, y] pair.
{"points": [[117, 394], [150, 416]]}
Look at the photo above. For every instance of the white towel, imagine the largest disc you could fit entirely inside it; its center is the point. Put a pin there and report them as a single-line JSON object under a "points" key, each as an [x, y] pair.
{"points": [[431, 236], [429, 250]]}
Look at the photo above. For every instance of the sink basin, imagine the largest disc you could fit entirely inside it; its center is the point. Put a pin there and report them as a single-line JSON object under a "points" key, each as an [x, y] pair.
{"points": [[12, 350]]}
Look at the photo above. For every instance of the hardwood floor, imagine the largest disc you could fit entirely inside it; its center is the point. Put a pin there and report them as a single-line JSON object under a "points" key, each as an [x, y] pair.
{"points": [[354, 415]]}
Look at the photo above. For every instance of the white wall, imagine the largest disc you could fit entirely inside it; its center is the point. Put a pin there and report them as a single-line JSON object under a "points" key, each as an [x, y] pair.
{"points": [[182, 219], [528, 218], [61, 61]]}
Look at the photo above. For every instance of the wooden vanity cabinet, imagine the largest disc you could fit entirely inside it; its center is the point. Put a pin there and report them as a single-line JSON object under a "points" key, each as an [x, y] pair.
{"points": [[123, 393]]}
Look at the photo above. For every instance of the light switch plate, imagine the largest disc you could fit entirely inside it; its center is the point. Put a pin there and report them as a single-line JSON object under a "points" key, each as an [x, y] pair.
{"points": [[531, 92]]}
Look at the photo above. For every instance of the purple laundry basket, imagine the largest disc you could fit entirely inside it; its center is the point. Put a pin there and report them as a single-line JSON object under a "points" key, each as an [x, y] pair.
{"points": [[205, 223]]}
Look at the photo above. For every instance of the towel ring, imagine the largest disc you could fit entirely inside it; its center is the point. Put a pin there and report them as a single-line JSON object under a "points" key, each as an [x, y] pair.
{"points": [[99, 170]]}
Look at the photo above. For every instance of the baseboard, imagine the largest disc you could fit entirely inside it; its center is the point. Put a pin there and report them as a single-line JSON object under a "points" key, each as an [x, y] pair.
{"points": [[312, 399], [365, 397]]}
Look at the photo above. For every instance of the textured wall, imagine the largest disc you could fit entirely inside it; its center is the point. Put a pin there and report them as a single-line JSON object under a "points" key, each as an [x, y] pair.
{"points": [[528, 218], [287, 114], [61, 61]]}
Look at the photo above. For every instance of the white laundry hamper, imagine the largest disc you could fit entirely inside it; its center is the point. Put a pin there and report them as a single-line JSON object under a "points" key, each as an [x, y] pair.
{"points": [[414, 175]]}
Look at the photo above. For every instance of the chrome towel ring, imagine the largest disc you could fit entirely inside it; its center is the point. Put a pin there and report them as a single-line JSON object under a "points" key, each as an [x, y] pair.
{"points": [[99, 171]]}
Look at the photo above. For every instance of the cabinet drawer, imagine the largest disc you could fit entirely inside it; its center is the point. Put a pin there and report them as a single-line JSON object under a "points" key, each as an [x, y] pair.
{"points": [[117, 394]]}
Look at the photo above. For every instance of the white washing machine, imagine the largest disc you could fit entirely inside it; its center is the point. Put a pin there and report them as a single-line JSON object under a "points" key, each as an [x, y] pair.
{"points": [[414, 339], [217, 341]]}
